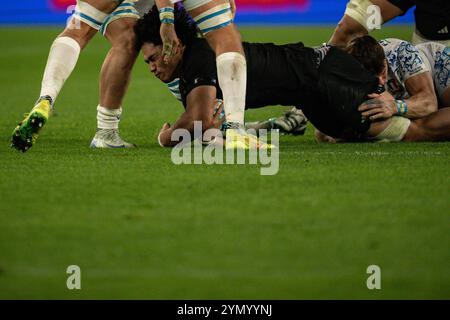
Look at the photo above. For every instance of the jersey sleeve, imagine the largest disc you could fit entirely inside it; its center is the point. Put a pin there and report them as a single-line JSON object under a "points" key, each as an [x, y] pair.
{"points": [[199, 68], [404, 59]]}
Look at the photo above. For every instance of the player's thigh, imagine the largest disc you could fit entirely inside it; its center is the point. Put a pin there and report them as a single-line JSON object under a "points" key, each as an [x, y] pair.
{"points": [[118, 26], [120, 32], [210, 15], [95, 13], [387, 9]]}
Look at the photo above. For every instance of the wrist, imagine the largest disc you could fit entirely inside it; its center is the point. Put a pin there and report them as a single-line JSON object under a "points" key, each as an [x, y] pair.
{"points": [[402, 107], [167, 15]]}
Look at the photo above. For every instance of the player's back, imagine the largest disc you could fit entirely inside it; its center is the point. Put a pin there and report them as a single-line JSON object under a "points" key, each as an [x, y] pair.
{"points": [[278, 74]]}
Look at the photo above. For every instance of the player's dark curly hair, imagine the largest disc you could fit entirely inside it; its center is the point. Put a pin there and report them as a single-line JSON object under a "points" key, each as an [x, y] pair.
{"points": [[147, 28], [368, 52]]}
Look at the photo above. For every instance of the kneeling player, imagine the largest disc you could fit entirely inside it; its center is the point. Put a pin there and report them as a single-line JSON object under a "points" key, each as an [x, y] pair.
{"points": [[214, 19], [328, 83]]}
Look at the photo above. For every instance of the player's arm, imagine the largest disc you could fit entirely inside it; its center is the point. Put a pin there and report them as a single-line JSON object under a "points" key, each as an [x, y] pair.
{"points": [[200, 104], [360, 19], [421, 103], [171, 43], [423, 100]]}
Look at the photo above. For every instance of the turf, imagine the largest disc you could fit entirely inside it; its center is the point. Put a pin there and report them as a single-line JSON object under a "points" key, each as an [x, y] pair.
{"points": [[142, 228]]}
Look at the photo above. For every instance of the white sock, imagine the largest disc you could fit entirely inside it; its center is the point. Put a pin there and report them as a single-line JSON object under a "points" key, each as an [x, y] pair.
{"points": [[61, 61], [108, 118], [232, 74]]}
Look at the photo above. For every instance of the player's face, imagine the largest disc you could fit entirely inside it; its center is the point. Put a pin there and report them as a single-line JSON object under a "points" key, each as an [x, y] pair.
{"points": [[154, 58]]}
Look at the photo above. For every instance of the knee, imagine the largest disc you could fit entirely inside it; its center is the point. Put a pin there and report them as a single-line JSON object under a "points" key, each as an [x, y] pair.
{"points": [[82, 33], [225, 39]]}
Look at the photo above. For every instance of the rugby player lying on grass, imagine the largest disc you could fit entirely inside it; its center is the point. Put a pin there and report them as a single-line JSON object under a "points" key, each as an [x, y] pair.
{"points": [[327, 83], [418, 76], [417, 79]]}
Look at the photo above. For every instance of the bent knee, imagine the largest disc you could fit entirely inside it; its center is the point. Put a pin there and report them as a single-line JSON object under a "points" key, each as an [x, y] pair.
{"points": [[79, 31]]}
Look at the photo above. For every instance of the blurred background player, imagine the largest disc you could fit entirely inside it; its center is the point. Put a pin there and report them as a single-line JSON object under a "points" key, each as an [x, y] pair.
{"points": [[115, 20], [432, 19], [214, 18]]}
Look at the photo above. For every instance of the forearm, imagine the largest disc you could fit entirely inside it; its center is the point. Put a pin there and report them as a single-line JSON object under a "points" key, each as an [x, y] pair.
{"points": [[420, 106]]}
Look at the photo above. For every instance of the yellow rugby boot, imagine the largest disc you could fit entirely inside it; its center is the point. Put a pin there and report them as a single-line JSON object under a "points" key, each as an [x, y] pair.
{"points": [[25, 134]]}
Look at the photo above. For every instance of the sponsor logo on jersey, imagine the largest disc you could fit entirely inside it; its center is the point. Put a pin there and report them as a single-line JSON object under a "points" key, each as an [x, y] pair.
{"points": [[443, 31]]}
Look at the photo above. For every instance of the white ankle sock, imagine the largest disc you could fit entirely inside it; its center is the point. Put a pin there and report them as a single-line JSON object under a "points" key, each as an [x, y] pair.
{"points": [[232, 74], [61, 61], [108, 118]]}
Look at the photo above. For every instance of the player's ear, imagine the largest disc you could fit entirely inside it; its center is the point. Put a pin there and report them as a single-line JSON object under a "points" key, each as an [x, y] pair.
{"points": [[382, 77]]}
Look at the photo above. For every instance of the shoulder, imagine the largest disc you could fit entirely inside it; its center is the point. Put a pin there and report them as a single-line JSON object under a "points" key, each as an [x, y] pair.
{"points": [[392, 45], [198, 68], [197, 50], [403, 57]]}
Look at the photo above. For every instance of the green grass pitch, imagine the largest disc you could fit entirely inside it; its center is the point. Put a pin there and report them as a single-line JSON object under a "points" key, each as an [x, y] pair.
{"points": [[141, 227]]}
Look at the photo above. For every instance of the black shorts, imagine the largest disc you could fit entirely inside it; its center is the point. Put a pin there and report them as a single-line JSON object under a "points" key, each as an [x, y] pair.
{"points": [[343, 85]]}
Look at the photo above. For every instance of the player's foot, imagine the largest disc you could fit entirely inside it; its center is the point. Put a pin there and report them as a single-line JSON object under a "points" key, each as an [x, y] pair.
{"points": [[109, 139], [25, 134], [293, 122], [238, 138]]}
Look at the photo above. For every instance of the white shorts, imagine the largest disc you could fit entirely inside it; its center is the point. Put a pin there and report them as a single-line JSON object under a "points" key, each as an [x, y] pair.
{"points": [[215, 18], [100, 20], [193, 4]]}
